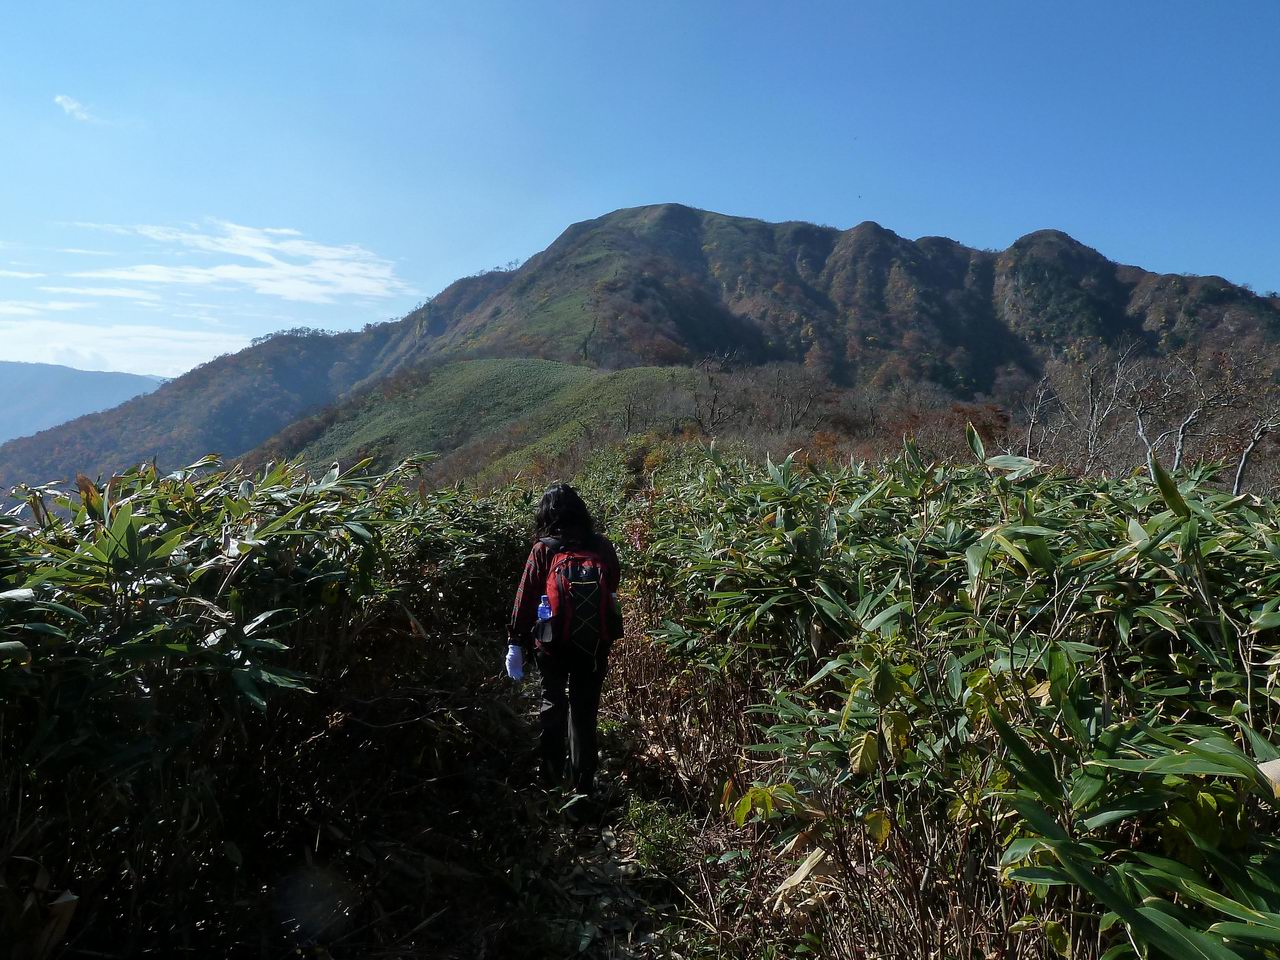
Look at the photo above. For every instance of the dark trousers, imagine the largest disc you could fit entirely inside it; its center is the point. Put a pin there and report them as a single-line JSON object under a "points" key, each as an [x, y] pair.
{"points": [[571, 683]]}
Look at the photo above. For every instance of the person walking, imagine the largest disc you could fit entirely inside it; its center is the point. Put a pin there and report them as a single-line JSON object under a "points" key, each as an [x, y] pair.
{"points": [[566, 616]]}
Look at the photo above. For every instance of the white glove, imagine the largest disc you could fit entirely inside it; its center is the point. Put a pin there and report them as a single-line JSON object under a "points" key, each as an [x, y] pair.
{"points": [[515, 662]]}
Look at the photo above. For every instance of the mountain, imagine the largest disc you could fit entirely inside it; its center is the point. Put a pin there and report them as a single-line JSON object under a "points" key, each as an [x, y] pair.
{"points": [[36, 396], [667, 285]]}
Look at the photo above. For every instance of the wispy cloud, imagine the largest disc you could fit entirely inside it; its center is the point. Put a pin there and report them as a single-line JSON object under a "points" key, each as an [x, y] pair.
{"points": [[127, 293], [161, 299], [273, 261], [74, 108], [33, 308], [131, 348]]}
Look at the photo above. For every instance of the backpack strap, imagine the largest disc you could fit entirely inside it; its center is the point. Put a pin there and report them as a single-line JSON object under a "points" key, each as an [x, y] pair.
{"points": [[554, 545]]}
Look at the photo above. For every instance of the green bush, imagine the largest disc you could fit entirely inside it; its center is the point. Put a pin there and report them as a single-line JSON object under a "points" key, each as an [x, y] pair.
{"points": [[1000, 710], [226, 698]]}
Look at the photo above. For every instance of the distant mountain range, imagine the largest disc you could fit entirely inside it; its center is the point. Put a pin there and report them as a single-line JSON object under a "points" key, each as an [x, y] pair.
{"points": [[665, 286], [36, 396]]}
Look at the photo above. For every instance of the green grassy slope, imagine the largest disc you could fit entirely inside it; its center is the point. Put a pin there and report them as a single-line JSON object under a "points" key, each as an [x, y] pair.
{"points": [[501, 411], [457, 403], [575, 415]]}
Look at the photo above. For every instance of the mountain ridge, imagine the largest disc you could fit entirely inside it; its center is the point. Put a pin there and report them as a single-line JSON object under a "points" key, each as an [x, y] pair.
{"points": [[667, 285]]}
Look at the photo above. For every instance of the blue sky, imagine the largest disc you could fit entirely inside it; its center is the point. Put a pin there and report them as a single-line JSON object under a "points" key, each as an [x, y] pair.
{"points": [[175, 181]]}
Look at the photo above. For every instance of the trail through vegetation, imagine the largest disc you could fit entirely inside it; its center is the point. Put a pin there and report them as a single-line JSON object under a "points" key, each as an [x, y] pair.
{"points": [[915, 709]]}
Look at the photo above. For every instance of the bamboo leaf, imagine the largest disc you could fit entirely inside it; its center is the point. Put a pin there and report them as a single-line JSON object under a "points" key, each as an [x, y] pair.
{"points": [[975, 442], [1169, 489]]}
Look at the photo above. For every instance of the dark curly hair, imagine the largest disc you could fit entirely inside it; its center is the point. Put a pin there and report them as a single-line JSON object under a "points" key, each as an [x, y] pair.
{"points": [[561, 513]]}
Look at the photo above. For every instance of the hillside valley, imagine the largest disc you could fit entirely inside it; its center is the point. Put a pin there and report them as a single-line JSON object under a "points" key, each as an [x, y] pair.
{"points": [[665, 286]]}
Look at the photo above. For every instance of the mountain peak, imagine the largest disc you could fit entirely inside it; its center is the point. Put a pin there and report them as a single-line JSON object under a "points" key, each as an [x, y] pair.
{"points": [[872, 228], [1049, 241]]}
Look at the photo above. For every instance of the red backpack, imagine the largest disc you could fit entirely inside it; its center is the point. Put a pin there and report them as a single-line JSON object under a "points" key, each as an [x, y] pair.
{"points": [[583, 615]]}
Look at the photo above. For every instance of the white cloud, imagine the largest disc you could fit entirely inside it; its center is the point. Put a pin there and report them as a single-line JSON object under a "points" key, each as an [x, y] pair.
{"points": [[173, 297], [73, 108], [272, 261], [127, 293], [131, 348], [32, 308]]}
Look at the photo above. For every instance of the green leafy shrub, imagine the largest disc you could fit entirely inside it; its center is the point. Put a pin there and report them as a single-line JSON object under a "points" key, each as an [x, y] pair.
{"points": [[230, 702], [1001, 711]]}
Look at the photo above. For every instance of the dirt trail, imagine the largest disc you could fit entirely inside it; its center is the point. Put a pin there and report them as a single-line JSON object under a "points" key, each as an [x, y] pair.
{"points": [[607, 907]]}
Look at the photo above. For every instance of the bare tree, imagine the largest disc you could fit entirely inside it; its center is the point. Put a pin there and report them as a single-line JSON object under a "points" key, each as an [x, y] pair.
{"points": [[1091, 404], [1263, 425], [1172, 399], [1258, 399], [712, 406], [1038, 410], [629, 415], [792, 404]]}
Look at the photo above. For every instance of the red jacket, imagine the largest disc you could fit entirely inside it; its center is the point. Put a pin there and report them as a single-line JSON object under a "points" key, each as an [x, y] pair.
{"points": [[534, 584]]}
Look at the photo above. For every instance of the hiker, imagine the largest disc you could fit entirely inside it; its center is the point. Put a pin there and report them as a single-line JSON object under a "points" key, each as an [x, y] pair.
{"points": [[567, 616]]}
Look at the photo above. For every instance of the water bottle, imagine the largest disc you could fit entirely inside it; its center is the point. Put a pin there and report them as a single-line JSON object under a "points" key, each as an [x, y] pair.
{"points": [[544, 609]]}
